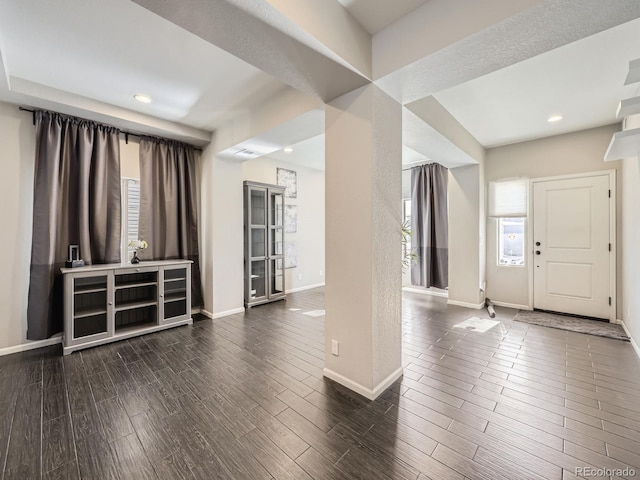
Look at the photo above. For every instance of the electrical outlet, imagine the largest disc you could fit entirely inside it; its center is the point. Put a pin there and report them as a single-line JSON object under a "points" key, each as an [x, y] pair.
{"points": [[299, 276], [334, 347]]}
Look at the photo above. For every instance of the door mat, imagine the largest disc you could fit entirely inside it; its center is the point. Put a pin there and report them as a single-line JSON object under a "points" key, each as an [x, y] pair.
{"points": [[573, 324]]}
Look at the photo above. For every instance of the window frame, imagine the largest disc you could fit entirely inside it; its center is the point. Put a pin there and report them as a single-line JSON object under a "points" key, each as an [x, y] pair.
{"points": [[125, 252], [500, 241]]}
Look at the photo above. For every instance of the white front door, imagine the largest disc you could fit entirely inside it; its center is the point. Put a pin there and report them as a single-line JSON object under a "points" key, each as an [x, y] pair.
{"points": [[571, 261]]}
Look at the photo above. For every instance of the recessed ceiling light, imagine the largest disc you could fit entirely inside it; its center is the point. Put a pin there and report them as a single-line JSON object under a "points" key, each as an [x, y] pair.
{"points": [[554, 118], [288, 149], [142, 98]]}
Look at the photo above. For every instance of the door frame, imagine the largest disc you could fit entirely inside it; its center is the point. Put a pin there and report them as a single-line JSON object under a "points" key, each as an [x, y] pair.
{"points": [[612, 232]]}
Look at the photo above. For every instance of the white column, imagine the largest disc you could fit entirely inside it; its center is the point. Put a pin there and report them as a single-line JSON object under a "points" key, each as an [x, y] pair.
{"points": [[363, 240]]}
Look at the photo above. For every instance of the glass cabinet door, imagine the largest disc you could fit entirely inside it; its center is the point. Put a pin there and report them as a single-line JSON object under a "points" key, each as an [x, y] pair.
{"points": [[277, 209], [258, 284], [258, 199], [276, 279], [90, 303]]}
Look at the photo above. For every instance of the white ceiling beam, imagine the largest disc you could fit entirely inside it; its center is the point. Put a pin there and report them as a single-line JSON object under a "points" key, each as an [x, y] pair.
{"points": [[238, 27], [332, 26], [250, 130], [423, 138], [430, 111], [409, 63]]}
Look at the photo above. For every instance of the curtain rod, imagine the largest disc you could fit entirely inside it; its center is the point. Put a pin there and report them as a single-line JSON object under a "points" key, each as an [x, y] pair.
{"points": [[126, 134], [417, 164]]}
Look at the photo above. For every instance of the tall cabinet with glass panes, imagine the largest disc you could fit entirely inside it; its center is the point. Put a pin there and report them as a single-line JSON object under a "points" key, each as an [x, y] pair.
{"points": [[263, 243]]}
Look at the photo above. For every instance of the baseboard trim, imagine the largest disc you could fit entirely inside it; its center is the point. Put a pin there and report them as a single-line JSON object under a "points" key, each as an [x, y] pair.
{"points": [[633, 342], [224, 313], [371, 394], [301, 289], [31, 345], [475, 306], [425, 291], [511, 305]]}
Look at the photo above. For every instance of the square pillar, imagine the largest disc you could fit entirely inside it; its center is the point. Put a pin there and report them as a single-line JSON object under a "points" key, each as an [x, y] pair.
{"points": [[363, 240]]}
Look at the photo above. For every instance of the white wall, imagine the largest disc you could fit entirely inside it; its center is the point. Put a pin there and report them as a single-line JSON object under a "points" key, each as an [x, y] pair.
{"points": [[309, 237], [631, 239], [222, 250], [17, 150], [465, 236], [576, 152]]}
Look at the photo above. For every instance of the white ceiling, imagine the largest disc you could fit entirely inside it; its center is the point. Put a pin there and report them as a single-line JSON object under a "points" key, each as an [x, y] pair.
{"points": [[109, 51], [583, 81], [376, 15]]}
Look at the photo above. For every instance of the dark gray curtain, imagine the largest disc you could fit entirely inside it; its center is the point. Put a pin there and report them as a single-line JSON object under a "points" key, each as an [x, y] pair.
{"points": [[429, 226], [169, 205], [76, 200]]}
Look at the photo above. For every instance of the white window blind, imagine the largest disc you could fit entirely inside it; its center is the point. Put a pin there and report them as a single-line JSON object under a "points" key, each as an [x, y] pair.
{"points": [[508, 198], [133, 209], [130, 193]]}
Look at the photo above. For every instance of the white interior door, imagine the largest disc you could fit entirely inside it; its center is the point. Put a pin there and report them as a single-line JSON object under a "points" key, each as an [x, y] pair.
{"points": [[572, 246]]}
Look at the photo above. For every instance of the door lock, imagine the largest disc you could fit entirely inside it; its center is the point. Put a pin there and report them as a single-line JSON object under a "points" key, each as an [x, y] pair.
{"points": [[537, 244]]}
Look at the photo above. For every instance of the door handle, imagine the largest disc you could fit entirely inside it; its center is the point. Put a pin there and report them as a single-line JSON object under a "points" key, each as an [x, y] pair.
{"points": [[537, 252], [537, 244]]}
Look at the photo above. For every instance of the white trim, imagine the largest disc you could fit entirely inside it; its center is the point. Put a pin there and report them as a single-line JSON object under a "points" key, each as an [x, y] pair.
{"points": [[308, 287], [475, 306], [612, 233], [371, 394], [633, 342], [426, 291], [31, 345], [225, 313], [511, 305]]}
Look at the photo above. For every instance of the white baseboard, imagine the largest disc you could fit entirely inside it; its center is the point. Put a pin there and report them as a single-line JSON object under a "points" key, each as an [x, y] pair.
{"points": [[511, 305], [308, 287], [633, 342], [426, 291], [225, 313], [475, 306], [31, 345], [369, 393]]}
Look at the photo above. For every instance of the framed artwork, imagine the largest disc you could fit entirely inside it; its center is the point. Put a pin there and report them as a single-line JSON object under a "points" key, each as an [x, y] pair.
{"points": [[290, 218], [290, 255], [288, 179]]}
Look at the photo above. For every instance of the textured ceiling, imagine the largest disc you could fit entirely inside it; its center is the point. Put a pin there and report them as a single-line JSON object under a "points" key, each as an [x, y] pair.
{"points": [[583, 81], [376, 15], [212, 64]]}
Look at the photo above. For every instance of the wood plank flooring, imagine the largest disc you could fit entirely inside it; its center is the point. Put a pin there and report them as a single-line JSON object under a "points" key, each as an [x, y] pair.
{"points": [[243, 397]]}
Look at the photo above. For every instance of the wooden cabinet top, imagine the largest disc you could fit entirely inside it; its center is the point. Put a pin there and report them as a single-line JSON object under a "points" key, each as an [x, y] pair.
{"points": [[125, 265]]}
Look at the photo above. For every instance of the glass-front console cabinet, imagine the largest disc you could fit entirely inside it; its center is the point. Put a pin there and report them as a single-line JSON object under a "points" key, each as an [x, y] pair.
{"points": [[263, 243]]}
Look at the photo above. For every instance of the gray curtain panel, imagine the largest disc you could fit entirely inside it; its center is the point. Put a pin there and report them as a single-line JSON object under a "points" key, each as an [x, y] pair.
{"points": [[76, 200], [169, 205], [430, 226]]}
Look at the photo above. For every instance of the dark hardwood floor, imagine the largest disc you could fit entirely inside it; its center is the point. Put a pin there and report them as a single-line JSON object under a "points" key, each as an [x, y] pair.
{"points": [[244, 397]]}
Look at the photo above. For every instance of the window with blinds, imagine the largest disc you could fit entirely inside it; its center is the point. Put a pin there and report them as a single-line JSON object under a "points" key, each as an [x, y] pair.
{"points": [[508, 203], [130, 214]]}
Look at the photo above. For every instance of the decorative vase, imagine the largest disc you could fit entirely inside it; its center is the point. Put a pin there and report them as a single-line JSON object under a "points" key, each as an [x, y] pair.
{"points": [[135, 258]]}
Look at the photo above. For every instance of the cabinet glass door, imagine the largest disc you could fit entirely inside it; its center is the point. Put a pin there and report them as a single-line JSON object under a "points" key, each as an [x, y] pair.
{"points": [[276, 278], [277, 209], [258, 284], [90, 305], [258, 199]]}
